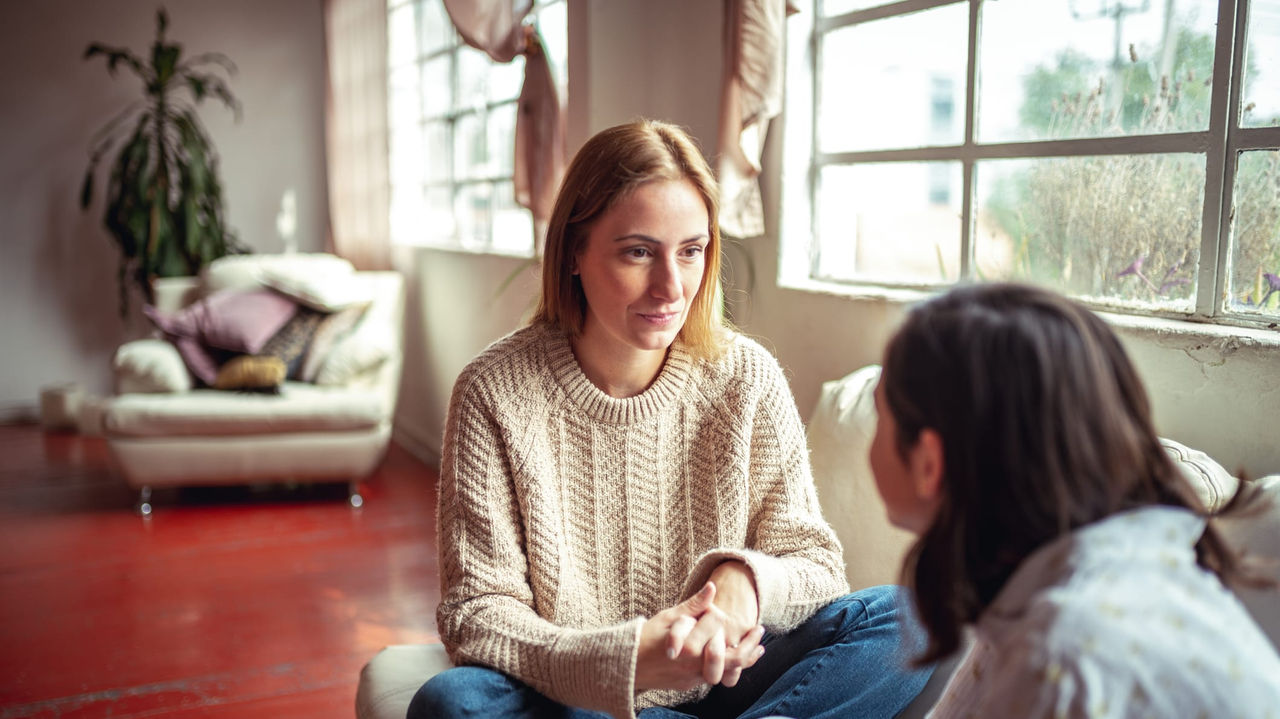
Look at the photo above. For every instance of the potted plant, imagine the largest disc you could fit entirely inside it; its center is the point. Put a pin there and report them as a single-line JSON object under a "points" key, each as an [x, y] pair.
{"points": [[164, 201]]}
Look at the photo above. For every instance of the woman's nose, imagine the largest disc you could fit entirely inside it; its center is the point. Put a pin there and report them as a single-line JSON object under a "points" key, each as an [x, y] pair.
{"points": [[664, 282]]}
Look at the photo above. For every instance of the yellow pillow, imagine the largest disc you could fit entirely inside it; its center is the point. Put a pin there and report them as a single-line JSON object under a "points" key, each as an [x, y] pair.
{"points": [[251, 372]]}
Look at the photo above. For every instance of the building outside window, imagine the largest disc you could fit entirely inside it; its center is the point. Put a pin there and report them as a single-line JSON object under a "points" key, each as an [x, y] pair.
{"points": [[1126, 152], [452, 119]]}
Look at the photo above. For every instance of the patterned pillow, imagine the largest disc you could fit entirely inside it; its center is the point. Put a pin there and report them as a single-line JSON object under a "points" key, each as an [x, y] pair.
{"points": [[291, 342]]}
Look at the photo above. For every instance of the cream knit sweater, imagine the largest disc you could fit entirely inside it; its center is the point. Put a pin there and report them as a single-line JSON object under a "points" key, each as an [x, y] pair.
{"points": [[568, 516]]}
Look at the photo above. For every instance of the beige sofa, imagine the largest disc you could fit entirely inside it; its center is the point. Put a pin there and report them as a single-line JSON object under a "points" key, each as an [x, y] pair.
{"points": [[840, 431], [165, 432]]}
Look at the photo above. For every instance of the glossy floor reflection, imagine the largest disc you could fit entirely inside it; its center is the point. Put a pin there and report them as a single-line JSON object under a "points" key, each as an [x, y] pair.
{"points": [[237, 602]]}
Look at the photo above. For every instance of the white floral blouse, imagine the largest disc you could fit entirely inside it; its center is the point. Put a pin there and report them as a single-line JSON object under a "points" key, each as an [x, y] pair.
{"points": [[1117, 620]]}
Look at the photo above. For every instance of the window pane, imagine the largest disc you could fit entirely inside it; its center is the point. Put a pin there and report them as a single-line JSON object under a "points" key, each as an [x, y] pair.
{"points": [[1122, 230], [889, 222], [553, 25], [1068, 68], [473, 78], [894, 83], [505, 79], [437, 89], [402, 36], [512, 224], [1255, 256], [406, 165], [1262, 66], [436, 28], [436, 151], [470, 156], [840, 7], [474, 212], [404, 97], [501, 141], [438, 221]]}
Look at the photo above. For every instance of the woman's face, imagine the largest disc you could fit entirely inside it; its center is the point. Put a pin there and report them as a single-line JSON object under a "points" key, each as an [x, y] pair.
{"points": [[642, 266], [910, 500]]}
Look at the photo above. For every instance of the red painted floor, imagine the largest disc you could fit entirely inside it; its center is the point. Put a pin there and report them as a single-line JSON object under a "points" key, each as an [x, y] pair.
{"points": [[226, 603]]}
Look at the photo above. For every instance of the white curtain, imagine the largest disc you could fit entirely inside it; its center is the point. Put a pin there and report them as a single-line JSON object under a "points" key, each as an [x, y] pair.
{"points": [[496, 27], [356, 131], [751, 96]]}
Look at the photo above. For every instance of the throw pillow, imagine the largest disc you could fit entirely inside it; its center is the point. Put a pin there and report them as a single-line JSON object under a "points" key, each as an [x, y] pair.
{"points": [[291, 342], [333, 329], [150, 366], [251, 373]]}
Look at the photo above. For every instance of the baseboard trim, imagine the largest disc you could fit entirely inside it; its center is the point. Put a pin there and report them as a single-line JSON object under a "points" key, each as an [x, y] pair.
{"points": [[19, 414]]}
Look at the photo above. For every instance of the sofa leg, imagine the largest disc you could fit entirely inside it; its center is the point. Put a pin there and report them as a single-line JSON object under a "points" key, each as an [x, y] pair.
{"points": [[353, 494], [144, 502]]}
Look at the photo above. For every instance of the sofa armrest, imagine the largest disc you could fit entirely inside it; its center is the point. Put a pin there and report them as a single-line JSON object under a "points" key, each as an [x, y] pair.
{"points": [[150, 366]]}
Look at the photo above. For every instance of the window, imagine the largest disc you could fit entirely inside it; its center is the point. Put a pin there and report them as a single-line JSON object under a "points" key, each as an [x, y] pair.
{"points": [[1126, 152], [452, 120]]}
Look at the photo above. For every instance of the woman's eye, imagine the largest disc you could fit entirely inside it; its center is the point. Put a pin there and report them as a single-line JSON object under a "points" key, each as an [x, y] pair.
{"points": [[638, 252], [694, 250]]}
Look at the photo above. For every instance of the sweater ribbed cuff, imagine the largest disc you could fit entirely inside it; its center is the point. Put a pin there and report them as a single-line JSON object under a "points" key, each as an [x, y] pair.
{"points": [[596, 669], [771, 579]]}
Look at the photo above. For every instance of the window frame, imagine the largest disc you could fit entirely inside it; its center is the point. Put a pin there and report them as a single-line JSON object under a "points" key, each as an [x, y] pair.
{"points": [[1220, 144], [451, 118]]}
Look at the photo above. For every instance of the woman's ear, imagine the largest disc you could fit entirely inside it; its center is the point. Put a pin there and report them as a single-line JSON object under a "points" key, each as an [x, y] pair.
{"points": [[927, 466]]}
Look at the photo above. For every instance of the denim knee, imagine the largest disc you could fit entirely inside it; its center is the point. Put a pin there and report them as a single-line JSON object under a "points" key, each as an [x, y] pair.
{"points": [[457, 692]]}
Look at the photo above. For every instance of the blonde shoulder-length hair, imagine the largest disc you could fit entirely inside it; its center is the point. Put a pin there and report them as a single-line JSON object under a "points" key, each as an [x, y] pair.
{"points": [[611, 164]]}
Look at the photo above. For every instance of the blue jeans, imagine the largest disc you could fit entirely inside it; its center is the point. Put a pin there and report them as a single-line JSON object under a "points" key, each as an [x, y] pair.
{"points": [[850, 659]]}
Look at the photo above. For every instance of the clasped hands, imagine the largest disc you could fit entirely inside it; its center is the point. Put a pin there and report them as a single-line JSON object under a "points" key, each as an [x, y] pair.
{"points": [[711, 637]]}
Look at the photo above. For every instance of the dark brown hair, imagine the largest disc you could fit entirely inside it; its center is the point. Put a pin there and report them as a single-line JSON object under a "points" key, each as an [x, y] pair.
{"points": [[610, 165], [1045, 427]]}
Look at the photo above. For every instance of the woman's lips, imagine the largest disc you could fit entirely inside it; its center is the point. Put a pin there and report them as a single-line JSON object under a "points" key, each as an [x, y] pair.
{"points": [[659, 318]]}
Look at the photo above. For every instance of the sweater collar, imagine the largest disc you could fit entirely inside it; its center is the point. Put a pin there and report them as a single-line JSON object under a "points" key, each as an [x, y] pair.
{"points": [[664, 391]]}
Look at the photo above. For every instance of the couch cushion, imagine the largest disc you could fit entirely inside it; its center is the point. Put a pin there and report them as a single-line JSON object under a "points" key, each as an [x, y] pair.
{"points": [[150, 365], [298, 408], [244, 272]]}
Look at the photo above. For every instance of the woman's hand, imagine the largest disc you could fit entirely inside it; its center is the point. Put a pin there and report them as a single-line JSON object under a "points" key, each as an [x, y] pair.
{"points": [[735, 613], [689, 644]]}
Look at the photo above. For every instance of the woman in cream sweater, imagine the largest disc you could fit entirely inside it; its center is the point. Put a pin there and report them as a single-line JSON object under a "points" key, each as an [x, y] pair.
{"points": [[628, 525]]}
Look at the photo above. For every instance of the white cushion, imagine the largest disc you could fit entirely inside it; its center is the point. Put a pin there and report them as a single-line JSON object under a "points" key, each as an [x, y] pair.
{"points": [[326, 291], [299, 407], [389, 681], [150, 366], [1212, 482], [373, 341], [840, 431], [244, 272]]}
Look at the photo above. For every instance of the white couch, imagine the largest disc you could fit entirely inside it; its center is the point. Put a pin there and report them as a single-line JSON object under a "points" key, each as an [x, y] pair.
{"points": [[163, 432], [840, 432]]}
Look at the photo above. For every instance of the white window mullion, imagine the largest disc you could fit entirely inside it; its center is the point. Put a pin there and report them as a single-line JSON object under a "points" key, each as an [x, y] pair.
{"points": [[1220, 162], [968, 224]]}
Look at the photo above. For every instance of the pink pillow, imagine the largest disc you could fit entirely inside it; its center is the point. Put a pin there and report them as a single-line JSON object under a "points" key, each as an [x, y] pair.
{"points": [[233, 321]]}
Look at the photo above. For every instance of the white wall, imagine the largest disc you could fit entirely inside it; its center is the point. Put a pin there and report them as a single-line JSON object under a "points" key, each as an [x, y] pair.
{"points": [[58, 308]]}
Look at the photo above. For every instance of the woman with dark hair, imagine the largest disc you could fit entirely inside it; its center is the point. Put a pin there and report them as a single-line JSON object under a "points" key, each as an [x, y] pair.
{"points": [[627, 519], [1015, 438]]}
